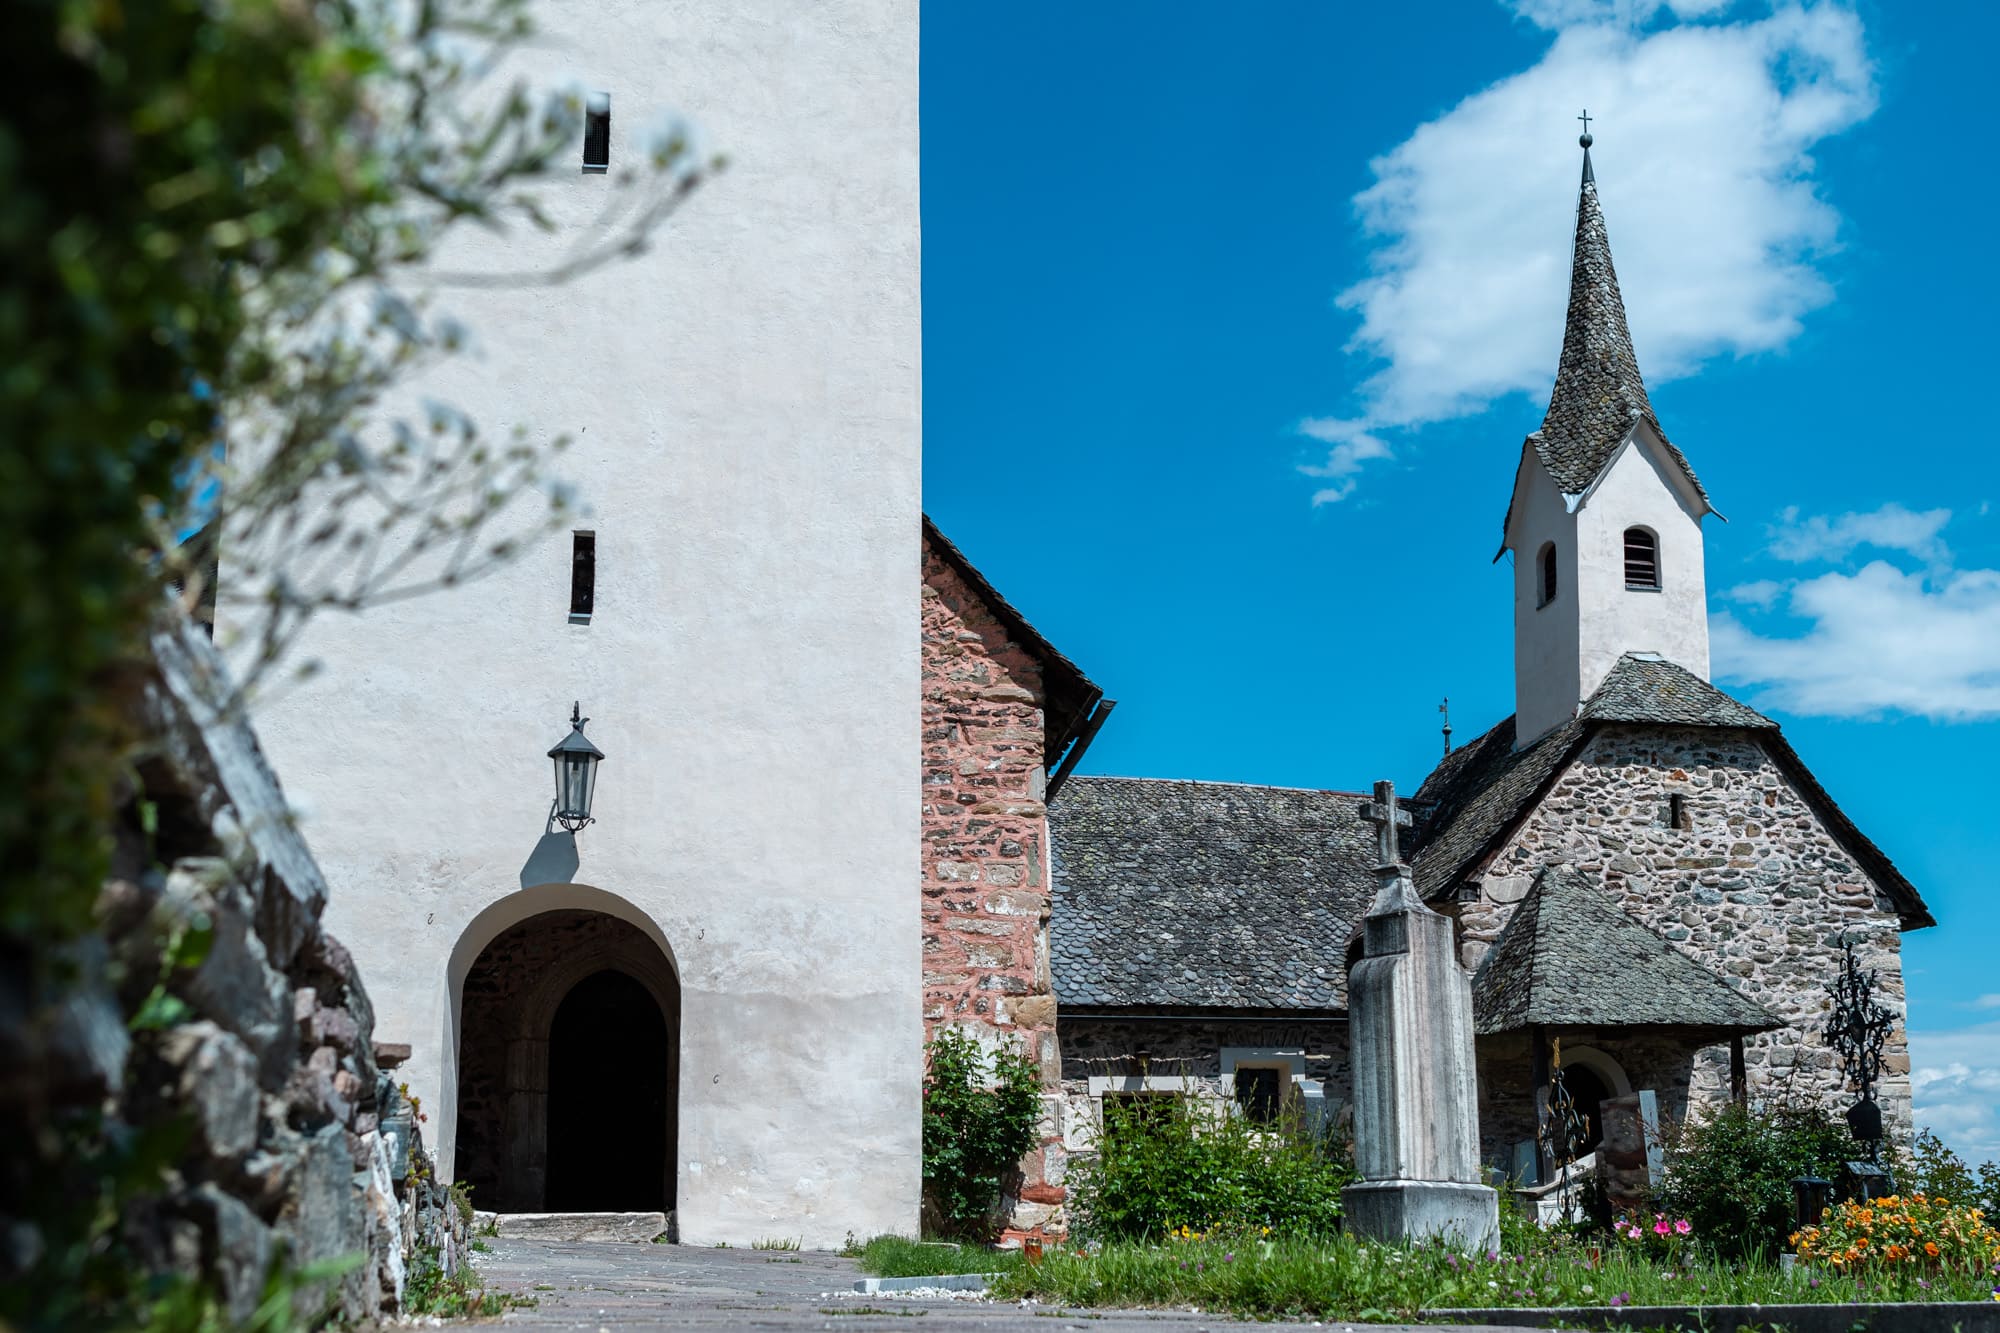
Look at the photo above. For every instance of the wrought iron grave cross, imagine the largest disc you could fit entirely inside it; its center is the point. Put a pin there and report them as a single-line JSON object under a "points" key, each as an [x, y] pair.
{"points": [[1383, 814]]}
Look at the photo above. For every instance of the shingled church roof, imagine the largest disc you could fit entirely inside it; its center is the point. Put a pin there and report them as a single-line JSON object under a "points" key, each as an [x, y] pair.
{"points": [[1571, 957], [1474, 799], [1205, 894], [1599, 392]]}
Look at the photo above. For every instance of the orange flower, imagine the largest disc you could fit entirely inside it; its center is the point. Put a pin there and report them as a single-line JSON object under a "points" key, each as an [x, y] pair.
{"points": [[1930, 1248]]}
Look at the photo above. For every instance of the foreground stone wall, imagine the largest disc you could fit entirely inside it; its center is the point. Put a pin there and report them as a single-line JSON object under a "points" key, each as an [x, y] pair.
{"points": [[300, 1148], [985, 891], [1755, 889]]}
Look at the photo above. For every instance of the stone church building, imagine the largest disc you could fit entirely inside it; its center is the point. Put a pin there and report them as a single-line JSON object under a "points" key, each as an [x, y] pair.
{"points": [[703, 986], [1639, 867]]}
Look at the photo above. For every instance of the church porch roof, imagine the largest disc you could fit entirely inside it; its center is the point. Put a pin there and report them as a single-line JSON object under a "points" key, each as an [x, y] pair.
{"points": [[1177, 894], [1572, 957]]}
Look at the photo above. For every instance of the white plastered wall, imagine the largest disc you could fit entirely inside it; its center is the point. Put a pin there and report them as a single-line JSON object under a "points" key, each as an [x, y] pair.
{"points": [[1546, 653], [1640, 487], [1565, 649], [745, 405]]}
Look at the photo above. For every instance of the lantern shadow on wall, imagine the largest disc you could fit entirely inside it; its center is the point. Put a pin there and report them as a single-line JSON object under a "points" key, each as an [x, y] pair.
{"points": [[555, 859]]}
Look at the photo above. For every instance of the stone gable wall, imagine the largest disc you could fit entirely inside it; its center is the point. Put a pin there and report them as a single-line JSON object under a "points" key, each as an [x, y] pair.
{"points": [[1756, 890], [985, 893]]}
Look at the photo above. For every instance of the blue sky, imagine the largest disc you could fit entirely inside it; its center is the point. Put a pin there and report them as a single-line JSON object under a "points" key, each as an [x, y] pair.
{"points": [[1235, 319]]}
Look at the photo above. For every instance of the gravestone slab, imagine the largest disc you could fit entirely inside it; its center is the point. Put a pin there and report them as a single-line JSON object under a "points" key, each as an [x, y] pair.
{"points": [[1631, 1153]]}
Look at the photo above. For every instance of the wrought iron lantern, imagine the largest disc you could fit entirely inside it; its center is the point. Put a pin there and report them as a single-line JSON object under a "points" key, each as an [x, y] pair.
{"points": [[576, 761]]}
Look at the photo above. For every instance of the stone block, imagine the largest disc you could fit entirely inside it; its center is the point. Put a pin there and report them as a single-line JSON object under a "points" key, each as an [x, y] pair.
{"points": [[1465, 1217], [626, 1228], [216, 1080], [238, 1250]]}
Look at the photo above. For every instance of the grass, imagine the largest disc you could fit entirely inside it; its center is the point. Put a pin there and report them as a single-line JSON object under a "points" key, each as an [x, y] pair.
{"points": [[899, 1256], [776, 1243], [1350, 1279]]}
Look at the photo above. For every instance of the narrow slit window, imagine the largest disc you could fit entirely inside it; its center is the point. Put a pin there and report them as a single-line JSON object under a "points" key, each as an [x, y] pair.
{"points": [[597, 133], [1677, 812], [582, 575], [1545, 575], [1642, 559]]}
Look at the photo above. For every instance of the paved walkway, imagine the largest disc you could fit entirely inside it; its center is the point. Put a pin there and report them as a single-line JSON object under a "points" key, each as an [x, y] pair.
{"points": [[621, 1288]]}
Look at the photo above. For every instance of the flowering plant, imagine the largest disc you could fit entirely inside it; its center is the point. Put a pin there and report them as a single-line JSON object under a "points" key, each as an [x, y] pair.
{"points": [[1916, 1229], [1661, 1238]]}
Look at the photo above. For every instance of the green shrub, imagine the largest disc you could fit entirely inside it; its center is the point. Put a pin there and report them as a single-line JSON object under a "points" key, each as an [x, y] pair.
{"points": [[980, 1114], [1731, 1174], [1932, 1169], [1170, 1165]]}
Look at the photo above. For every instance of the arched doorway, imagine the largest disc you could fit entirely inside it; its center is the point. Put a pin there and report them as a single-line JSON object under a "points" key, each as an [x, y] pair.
{"points": [[609, 1055], [1589, 1092], [568, 1067]]}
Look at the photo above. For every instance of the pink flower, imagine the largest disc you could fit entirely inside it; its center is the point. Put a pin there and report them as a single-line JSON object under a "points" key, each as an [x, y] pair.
{"points": [[1683, 1226], [1660, 1227]]}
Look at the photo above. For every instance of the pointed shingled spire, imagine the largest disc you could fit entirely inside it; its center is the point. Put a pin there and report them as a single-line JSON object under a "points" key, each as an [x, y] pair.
{"points": [[1598, 387]]}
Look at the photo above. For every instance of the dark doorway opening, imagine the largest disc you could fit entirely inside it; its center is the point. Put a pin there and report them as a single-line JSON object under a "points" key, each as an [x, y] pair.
{"points": [[1588, 1091], [608, 1058], [568, 1068]]}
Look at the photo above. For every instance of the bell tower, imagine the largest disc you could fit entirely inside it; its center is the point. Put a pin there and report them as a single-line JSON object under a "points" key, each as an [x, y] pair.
{"points": [[1605, 520]]}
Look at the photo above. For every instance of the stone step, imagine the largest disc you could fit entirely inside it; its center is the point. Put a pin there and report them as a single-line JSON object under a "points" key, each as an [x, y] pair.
{"points": [[629, 1228]]}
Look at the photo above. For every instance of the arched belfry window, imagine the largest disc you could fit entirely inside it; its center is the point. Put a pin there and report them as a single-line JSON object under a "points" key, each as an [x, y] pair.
{"points": [[1545, 575], [1642, 559]]}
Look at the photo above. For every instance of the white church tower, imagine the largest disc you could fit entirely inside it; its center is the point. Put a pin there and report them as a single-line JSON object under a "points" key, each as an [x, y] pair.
{"points": [[706, 1002], [1605, 521]]}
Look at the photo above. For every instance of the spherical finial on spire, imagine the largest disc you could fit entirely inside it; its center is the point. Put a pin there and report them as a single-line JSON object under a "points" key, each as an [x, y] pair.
{"points": [[1584, 140]]}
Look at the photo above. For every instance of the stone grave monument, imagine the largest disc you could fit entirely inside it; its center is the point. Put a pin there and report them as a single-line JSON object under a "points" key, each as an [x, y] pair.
{"points": [[1416, 1094]]}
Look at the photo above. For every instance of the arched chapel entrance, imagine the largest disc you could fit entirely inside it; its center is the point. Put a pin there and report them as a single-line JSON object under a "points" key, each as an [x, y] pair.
{"points": [[568, 1064]]}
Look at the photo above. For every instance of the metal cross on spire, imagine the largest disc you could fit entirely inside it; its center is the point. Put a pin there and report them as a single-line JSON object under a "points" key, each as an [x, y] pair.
{"points": [[1383, 814], [1585, 118]]}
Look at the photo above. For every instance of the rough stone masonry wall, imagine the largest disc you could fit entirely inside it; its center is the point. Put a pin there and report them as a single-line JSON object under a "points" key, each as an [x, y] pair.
{"points": [[985, 888], [1185, 1055], [1756, 890], [300, 1141]]}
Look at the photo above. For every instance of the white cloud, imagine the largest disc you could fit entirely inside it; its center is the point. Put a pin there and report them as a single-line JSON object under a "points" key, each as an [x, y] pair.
{"points": [[1760, 593], [1702, 156], [1567, 13], [1890, 528], [1956, 1078], [1984, 1002], [1879, 639], [1352, 446]]}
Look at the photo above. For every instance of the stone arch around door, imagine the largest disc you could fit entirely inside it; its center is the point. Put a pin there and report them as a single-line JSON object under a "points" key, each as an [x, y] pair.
{"points": [[510, 977]]}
